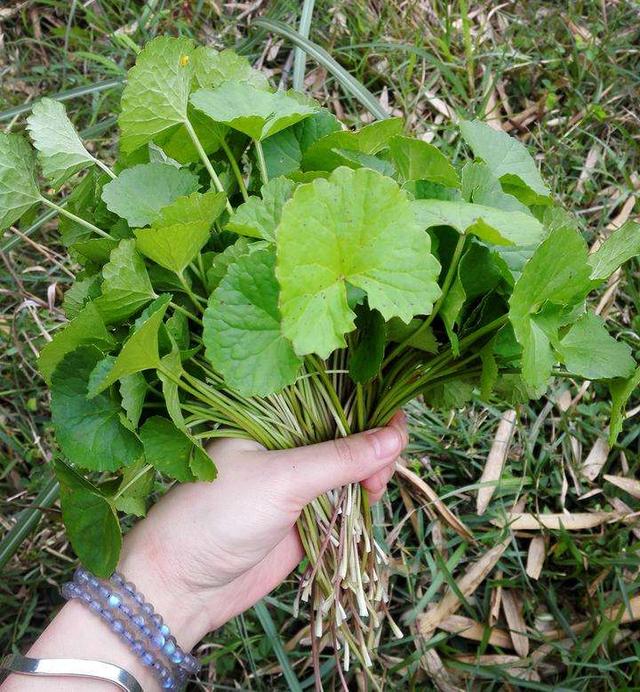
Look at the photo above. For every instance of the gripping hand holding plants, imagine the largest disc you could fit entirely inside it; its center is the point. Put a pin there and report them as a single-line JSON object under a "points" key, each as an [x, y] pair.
{"points": [[251, 269]]}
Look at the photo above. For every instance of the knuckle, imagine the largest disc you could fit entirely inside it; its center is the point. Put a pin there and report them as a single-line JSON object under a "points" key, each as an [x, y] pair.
{"points": [[344, 451]]}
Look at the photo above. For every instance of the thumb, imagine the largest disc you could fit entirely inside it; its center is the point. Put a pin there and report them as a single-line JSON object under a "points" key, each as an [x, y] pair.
{"points": [[312, 470]]}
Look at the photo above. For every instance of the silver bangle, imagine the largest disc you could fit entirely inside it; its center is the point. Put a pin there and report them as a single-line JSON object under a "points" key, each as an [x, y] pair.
{"points": [[81, 667]]}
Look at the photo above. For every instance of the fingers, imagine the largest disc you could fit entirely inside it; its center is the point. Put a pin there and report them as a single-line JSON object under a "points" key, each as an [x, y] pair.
{"points": [[310, 471], [376, 485]]}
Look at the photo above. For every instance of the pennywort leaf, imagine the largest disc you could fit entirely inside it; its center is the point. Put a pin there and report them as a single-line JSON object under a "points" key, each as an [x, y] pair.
{"points": [[181, 230], [174, 453], [355, 228], [418, 160], [156, 96], [255, 112], [90, 520], [86, 328], [60, 149], [554, 280], [126, 288], [508, 160], [212, 68], [139, 193], [90, 433], [139, 352], [619, 247], [323, 154], [242, 330], [588, 350], [621, 390], [494, 226], [258, 217], [18, 187]]}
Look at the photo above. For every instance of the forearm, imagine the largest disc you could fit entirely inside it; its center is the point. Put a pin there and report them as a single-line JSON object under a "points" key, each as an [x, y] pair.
{"points": [[77, 632]]}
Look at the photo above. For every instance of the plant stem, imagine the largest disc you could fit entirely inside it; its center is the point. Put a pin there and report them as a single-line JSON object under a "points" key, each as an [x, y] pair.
{"points": [[262, 164], [236, 169], [137, 477], [184, 311], [194, 298], [466, 36], [446, 284], [77, 219], [105, 168], [205, 160]]}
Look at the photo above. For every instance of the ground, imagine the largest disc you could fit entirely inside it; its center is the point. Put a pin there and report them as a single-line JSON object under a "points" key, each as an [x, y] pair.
{"points": [[564, 77]]}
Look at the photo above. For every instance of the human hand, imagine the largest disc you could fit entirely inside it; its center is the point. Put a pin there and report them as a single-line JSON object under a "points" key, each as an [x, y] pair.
{"points": [[208, 551]]}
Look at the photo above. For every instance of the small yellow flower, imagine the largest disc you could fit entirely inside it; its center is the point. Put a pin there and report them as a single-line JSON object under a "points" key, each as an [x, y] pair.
{"points": [[184, 60]]}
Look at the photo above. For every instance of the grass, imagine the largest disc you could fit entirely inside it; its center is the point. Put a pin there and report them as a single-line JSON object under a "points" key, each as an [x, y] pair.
{"points": [[565, 78]]}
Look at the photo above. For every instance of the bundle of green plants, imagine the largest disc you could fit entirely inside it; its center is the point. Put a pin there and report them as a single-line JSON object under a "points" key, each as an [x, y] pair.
{"points": [[248, 267]]}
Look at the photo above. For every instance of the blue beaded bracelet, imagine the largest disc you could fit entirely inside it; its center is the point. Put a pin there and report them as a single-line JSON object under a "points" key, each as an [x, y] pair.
{"points": [[134, 619]]}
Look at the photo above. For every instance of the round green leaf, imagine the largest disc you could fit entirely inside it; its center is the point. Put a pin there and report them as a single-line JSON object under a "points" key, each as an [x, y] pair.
{"points": [[90, 433], [358, 228], [242, 332]]}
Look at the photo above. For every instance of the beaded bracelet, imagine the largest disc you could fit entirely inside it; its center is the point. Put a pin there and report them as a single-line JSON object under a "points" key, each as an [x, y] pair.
{"points": [[130, 616]]}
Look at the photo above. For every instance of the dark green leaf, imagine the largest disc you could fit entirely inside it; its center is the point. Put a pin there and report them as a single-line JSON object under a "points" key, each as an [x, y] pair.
{"points": [[90, 433], [588, 350], [139, 193], [91, 522], [139, 352], [242, 331], [259, 216], [86, 328], [368, 351], [126, 288], [172, 451], [417, 160]]}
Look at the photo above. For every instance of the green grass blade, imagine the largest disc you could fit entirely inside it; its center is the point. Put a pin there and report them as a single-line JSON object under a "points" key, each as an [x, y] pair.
{"points": [[65, 96], [27, 521], [269, 628], [352, 85], [299, 56]]}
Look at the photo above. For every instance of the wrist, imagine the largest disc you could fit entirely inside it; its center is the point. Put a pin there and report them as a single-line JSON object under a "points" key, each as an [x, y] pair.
{"points": [[157, 572]]}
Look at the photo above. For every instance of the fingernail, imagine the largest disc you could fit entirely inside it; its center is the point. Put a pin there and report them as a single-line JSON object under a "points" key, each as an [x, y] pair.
{"points": [[386, 442]]}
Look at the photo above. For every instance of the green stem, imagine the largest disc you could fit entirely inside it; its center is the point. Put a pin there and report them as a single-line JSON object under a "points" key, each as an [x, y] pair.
{"points": [[262, 164], [205, 160], [137, 477], [197, 302], [448, 280], [105, 168], [77, 219], [186, 312], [466, 37], [235, 168]]}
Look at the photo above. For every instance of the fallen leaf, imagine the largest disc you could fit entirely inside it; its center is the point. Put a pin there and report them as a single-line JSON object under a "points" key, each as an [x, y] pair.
{"points": [[512, 609], [447, 515], [629, 485], [495, 460], [523, 521], [596, 459], [475, 574], [476, 631], [535, 557]]}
